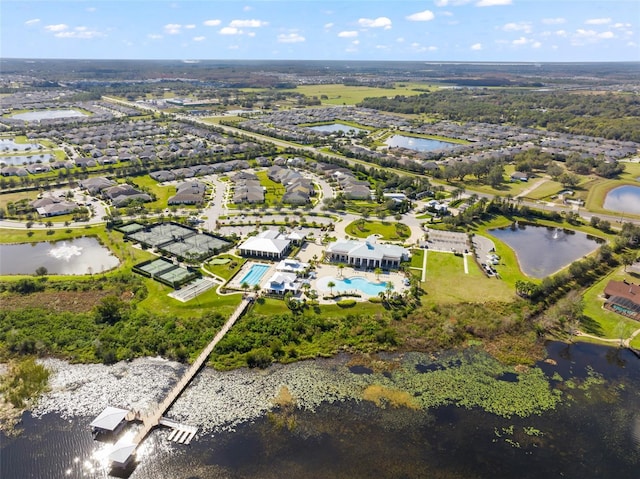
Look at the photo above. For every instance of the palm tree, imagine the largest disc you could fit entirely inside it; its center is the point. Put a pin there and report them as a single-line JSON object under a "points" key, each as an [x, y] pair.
{"points": [[340, 269], [377, 272], [331, 285], [245, 285], [256, 288]]}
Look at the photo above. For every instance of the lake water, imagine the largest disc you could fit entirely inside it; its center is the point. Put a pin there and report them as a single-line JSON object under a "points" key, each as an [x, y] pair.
{"points": [[593, 432], [47, 115], [623, 199], [25, 159], [7, 145], [332, 128], [418, 144], [542, 250], [78, 256]]}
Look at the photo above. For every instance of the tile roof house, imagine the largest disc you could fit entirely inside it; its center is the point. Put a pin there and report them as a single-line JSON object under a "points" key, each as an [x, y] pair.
{"points": [[120, 195], [623, 298], [189, 193]]}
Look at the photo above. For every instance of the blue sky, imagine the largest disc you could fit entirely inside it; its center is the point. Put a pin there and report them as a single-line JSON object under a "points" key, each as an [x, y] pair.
{"points": [[432, 30]]}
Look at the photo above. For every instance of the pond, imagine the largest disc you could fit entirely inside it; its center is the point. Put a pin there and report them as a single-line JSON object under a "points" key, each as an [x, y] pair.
{"points": [[47, 115], [8, 145], [332, 431], [623, 199], [334, 127], [78, 256], [542, 250], [418, 144], [16, 160]]}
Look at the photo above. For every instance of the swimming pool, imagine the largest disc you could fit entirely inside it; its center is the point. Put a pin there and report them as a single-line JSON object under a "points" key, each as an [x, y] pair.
{"points": [[349, 284], [255, 274]]}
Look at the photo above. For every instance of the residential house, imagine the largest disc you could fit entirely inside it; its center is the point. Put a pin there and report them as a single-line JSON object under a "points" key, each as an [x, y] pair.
{"points": [[623, 297]]}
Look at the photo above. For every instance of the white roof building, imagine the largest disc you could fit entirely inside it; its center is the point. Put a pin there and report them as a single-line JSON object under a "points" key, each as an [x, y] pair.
{"points": [[282, 283], [109, 419], [268, 244], [367, 254]]}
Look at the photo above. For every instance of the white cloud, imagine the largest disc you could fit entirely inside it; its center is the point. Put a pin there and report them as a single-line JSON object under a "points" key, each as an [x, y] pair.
{"points": [[172, 28], [251, 34], [380, 22], [328, 25], [199, 39], [476, 46], [622, 25], [191, 26], [561, 33], [212, 23], [452, 3], [597, 21], [230, 31], [56, 28], [536, 45], [585, 37], [400, 39], [517, 27], [425, 16], [492, 3], [247, 23], [290, 38], [247, 8], [33, 21], [520, 41], [91, 9], [79, 32], [348, 34], [154, 36], [553, 21]]}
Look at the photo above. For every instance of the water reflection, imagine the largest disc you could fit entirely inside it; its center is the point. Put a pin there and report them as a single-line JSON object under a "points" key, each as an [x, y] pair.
{"points": [[542, 250], [78, 256], [418, 144], [624, 199]]}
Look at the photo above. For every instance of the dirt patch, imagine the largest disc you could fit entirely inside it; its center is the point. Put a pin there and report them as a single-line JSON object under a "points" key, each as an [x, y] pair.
{"points": [[73, 301]]}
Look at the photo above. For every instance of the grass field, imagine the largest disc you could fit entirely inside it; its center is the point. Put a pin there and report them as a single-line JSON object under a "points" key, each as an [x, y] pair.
{"points": [[157, 302], [447, 282], [339, 94], [274, 191], [387, 230], [162, 193], [226, 270]]}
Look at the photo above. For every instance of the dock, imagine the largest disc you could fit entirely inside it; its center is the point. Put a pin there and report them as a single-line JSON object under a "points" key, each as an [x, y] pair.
{"points": [[181, 433]]}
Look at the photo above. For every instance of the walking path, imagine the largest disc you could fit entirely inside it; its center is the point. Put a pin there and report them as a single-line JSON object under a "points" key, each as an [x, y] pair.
{"points": [[424, 266], [626, 343], [152, 419]]}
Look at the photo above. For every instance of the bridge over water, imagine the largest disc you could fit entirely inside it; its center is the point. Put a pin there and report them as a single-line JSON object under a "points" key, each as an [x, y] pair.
{"points": [[123, 452]]}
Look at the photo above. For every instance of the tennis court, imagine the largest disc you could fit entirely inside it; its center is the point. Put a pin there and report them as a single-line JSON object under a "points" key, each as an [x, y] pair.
{"points": [[156, 266], [161, 233], [193, 289]]}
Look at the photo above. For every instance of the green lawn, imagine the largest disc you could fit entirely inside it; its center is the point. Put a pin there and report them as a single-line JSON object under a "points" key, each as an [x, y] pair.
{"points": [[227, 270], [157, 302], [274, 191], [387, 230], [163, 193], [417, 258], [446, 282], [339, 94]]}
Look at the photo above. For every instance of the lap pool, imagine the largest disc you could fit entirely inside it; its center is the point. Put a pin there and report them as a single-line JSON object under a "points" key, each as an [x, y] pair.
{"points": [[255, 274], [349, 284]]}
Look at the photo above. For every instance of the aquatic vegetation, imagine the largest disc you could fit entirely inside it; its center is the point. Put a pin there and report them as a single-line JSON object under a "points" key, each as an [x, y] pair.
{"points": [[24, 382], [474, 383], [382, 396]]}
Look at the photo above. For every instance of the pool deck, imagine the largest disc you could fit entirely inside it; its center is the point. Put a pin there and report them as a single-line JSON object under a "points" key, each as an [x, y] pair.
{"points": [[324, 270], [236, 281]]}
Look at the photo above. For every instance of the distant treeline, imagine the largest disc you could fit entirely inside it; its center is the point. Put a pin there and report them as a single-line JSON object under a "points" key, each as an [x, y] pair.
{"points": [[609, 115]]}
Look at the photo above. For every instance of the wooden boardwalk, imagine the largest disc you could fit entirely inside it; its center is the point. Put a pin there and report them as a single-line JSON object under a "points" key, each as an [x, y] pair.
{"points": [[152, 419]]}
